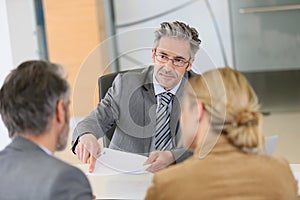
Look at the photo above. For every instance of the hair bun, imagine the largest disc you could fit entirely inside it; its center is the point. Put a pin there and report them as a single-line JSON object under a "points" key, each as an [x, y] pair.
{"points": [[247, 118], [244, 131]]}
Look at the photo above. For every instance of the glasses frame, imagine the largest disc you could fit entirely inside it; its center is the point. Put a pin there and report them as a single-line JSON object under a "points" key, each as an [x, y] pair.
{"points": [[172, 59]]}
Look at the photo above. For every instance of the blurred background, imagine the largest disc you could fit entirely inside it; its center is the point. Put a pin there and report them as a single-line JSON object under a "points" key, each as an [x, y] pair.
{"points": [[261, 38]]}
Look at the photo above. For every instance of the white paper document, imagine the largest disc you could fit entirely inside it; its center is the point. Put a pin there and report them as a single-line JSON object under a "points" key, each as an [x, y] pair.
{"points": [[112, 162]]}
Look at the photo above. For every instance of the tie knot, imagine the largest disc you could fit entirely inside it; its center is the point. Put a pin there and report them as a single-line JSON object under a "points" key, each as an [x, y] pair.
{"points": [[166, 97]]}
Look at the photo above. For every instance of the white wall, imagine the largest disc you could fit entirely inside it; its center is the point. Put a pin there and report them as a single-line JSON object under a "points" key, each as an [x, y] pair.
{"points": [[136, 41], [6, 61], [286, 126], [18, 41], [22, 30], [5, 48]]}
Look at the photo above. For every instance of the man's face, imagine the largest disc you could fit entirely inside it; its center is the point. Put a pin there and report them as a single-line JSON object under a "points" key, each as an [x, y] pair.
{"points": [[167, 74]]}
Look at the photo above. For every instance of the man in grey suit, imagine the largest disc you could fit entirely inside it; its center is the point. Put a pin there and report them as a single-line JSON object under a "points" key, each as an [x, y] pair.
{"points": [[34, 102], [136, 100]]}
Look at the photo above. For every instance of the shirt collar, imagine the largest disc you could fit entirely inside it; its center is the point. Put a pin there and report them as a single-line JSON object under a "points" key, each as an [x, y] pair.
{"points": [[158, 89], [46, 150]]}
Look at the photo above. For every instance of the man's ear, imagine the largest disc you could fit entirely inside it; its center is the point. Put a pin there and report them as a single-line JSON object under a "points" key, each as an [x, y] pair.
{"points": [[153, 55], [60, 111], [189, 67]]}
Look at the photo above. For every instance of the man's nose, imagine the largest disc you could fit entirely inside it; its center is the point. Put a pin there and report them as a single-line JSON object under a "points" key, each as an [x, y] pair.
{"points": [[170, 63]]}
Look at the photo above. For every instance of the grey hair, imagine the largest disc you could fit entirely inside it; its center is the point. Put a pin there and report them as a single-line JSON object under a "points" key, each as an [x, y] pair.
{"points": [[181, 31], [29, 96]]}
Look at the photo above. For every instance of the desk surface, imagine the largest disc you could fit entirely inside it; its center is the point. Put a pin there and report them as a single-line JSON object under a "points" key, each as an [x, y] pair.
{"points": [[296, 171], [128, 186], [121, 186]]}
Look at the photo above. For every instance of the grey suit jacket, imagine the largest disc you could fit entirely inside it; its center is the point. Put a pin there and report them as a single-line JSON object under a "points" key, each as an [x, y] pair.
{"points": [[28, 173], [131, 104]]}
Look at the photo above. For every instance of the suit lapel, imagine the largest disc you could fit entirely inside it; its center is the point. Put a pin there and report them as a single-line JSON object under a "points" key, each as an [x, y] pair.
{"points": [[149, 108], [174, 118]]}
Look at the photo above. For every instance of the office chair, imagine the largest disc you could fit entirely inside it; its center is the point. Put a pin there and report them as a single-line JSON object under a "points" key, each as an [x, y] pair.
{"points": [[104, 83]]}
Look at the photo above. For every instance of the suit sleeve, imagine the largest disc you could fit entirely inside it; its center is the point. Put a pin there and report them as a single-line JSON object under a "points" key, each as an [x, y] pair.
{"points": [[181, 154], [103, 117]]}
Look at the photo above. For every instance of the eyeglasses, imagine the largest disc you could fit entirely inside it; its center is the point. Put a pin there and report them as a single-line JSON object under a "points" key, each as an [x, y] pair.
{"points": [[178, 62]]}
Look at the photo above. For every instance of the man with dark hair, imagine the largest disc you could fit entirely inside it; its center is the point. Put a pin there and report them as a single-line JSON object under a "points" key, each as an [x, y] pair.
{"points": [[34, 102], [145, 105]]}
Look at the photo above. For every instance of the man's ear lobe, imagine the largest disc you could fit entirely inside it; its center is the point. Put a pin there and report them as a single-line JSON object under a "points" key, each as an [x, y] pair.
{"points": [[60, 111], [153, 55], [190, 64]]}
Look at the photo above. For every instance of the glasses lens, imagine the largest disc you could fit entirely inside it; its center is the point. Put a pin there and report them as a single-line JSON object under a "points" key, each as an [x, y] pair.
{"points": [[162, 58], [176, 61]]}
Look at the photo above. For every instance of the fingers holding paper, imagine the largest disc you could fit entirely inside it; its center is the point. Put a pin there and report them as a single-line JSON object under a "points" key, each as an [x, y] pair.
{"points": [[159, 160], [87, 150]]}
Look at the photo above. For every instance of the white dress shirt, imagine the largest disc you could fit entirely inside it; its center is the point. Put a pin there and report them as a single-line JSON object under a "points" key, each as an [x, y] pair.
{"points": [[158, 89]]}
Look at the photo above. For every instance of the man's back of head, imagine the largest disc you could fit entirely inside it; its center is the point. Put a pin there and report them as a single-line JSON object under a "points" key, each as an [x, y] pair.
{"points": [[34, 103], [29, 97]]}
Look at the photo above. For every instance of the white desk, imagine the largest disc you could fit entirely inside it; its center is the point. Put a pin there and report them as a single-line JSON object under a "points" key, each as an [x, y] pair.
{"points": [[126, 186], [122, 186], [296, 171]]}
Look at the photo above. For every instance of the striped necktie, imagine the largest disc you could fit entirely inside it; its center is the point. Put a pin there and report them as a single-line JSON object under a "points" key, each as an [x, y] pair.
{"points": [[163, 138]]}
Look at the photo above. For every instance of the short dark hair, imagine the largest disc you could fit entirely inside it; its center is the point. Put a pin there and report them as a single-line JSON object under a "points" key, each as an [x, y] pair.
{"points": [[29, 95], [181, 31]]}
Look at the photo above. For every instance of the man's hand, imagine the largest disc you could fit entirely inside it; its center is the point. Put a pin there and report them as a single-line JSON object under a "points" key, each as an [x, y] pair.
{"points": [[87, 150], [159, 160]]}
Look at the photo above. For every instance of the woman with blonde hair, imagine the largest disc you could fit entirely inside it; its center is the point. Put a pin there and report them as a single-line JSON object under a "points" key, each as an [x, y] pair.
{"points": [[221, 123]]}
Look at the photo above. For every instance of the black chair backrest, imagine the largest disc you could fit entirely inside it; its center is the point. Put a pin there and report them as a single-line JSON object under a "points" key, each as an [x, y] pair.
{"points": [[104, 83]]}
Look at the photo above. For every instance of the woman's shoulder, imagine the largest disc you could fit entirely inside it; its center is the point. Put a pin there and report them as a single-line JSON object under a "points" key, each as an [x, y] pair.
{"points": [[272, 168], [273, 161]]}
